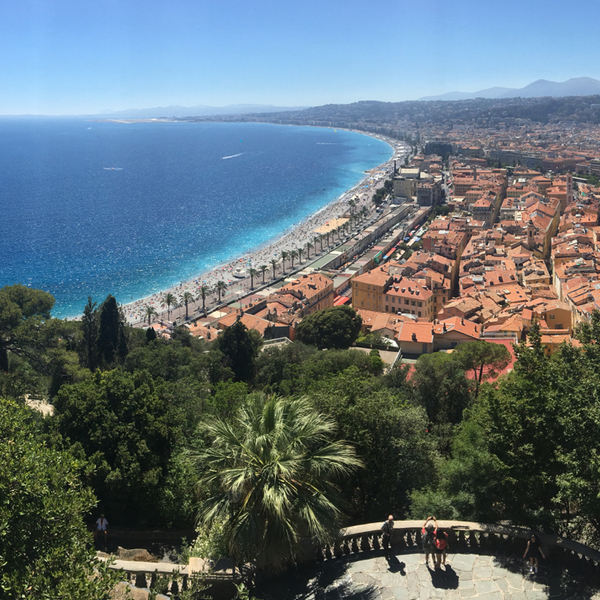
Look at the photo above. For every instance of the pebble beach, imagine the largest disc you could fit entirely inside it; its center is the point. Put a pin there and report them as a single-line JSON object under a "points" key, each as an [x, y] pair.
{"points": [[292, 239]]}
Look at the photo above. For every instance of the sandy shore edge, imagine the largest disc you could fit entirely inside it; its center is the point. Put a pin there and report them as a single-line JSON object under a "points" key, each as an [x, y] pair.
{"points": [[289, 240]]}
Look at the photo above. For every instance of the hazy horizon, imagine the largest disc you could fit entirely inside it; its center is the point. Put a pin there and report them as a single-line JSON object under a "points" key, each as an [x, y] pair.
{"points": [[67, 58]]}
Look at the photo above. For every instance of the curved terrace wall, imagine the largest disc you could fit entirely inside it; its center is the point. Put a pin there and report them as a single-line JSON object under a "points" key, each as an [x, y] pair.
{"points": [[363, 541]]}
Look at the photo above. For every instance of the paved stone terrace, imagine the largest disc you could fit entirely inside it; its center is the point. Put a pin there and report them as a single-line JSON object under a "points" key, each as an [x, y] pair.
{"points": [[406, 577]]}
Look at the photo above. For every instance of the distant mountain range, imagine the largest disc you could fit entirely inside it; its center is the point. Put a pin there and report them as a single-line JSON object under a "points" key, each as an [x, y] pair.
{"points": [[195, 111], [578, 86]]}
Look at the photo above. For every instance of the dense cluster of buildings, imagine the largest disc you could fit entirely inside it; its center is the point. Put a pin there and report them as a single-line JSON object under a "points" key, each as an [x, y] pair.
{"points": [[517, 247], [518, 244]]}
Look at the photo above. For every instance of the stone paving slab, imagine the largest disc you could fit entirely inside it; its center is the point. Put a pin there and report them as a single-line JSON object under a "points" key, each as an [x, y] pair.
{"points": [[406, 577]]}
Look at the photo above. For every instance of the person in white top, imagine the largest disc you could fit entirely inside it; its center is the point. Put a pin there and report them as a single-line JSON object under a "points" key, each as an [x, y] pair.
{"points": [[101, 525]]}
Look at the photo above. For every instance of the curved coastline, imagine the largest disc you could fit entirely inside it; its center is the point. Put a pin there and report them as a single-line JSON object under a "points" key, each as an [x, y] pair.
{"points": [[290, 239]]}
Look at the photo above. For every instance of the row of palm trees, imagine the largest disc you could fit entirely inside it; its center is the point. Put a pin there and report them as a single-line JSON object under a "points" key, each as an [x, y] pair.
{"points": [[318, 240], [188, 298]]}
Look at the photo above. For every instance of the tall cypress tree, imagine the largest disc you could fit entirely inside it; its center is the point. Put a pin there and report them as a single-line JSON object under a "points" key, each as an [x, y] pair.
{"points": [[112, 339], [89, 325]]}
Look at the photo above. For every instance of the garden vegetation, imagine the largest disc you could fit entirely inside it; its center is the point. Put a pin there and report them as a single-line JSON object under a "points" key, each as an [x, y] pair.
{"points": [[269, 446]]}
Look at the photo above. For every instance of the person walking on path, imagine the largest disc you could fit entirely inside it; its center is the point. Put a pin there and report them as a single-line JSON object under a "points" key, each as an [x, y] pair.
{"points": [[534, 550], [387, 528], [441, 546], [101, 526], [428, 539]]}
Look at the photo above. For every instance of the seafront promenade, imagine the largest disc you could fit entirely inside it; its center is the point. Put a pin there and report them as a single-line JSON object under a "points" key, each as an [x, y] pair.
{"points": [[305, 232]]}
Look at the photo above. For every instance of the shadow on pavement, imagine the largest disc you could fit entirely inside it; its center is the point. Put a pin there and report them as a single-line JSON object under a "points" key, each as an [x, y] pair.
{"points": [[395, 566], [445, 579], [325, 584], [561, 580]]}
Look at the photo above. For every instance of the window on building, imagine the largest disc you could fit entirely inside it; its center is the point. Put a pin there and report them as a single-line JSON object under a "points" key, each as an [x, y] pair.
{"points": [[407, 303], [387, 308], [412, 303], [419, 303], [419, 313], [552, 316]]}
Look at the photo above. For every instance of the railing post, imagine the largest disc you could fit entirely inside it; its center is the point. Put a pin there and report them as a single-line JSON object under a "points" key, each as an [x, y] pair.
{"points": [[402, 539]]}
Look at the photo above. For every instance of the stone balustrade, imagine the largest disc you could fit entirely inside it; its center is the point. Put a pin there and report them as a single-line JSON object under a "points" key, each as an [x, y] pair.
{"points": [[169, 578], [364, 540], [463, 536]]}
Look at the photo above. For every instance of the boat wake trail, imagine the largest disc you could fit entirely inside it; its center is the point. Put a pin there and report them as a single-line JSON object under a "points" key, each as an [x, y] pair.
{"points": [[232, 156]]}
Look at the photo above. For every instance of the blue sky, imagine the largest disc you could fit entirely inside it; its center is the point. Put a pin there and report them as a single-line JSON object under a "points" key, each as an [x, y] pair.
{"points": [[61, 57]]}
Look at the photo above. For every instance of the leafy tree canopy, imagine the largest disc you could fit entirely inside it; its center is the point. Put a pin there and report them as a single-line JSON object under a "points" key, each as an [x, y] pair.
{"points": [[390, 437], [484, 359], [44, 544], [336, 327], [128, 432], [36, 351], [240, 348]]}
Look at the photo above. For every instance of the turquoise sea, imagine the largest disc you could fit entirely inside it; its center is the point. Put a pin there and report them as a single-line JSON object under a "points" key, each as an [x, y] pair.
{"points": [[92, 208]]}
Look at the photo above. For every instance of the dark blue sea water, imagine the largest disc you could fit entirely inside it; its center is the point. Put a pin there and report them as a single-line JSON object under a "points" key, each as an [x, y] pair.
{"points": [[92, 208]]}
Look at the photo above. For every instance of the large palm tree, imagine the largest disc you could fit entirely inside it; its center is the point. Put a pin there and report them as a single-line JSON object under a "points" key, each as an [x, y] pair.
{"points": [[284, 255], [170, 300], [186, 299], [309, 245], [318, 239], [263, 269], [204, 291], [274, 266], [221, 287], [149, 312], [293, 255], [253, 273], [270, 479], [300, 253]]}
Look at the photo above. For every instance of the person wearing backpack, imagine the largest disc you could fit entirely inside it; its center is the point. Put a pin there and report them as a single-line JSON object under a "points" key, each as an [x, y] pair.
{"points": [[428, 539], [387, 528]]}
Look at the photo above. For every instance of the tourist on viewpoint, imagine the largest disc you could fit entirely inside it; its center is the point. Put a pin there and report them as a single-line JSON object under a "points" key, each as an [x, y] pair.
{"points": [[534, 550], [441, 547], [387, 528], [428, 539], [101, 526]]}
